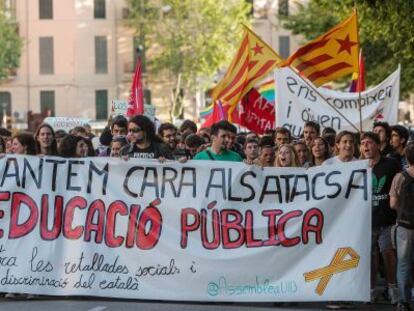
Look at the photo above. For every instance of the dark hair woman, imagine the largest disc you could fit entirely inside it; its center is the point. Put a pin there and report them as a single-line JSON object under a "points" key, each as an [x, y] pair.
{"points": [[23, 143], [73, 146], [320, 151]]}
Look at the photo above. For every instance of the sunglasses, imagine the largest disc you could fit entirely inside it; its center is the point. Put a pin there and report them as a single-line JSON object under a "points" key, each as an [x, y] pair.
{"points": [[135, 130]]}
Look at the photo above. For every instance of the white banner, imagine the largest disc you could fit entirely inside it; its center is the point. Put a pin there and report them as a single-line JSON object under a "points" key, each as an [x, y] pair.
{"points": [[120, 107], [65, 123], [204, 231], [298, 103]]}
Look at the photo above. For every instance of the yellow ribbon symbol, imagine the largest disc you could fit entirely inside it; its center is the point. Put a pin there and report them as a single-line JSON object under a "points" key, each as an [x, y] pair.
{"points": [[337, 265]]}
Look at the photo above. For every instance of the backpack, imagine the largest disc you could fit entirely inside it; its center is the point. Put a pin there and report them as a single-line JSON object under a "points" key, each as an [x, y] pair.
{"points": [[406, 202]]}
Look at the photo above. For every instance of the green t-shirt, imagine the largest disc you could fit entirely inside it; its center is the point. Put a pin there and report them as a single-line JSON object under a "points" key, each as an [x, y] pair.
{"points": [[226, 155]]}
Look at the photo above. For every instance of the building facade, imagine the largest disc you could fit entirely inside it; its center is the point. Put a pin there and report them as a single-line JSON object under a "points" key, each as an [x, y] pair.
{"points": [[78, 55]]}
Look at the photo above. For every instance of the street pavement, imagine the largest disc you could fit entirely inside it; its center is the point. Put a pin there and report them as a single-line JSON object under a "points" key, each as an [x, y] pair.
{"points": [[97, 304]]}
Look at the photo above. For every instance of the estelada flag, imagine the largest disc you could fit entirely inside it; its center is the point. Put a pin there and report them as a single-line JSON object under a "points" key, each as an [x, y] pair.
{"points": [[136, 95], [330, 56], [358, 79], [253, 61]]}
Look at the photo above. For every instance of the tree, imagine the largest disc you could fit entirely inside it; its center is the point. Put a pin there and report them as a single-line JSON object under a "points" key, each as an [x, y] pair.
{"points": [[10, 46], [385, 27], [188, 38]]}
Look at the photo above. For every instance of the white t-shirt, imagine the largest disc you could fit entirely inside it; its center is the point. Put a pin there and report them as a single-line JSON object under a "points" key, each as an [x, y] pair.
{"points": [[335, 160]]}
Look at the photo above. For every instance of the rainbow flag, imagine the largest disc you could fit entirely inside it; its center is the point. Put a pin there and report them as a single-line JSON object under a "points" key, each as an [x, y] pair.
{"points": [[267, 90], [206, 112]]}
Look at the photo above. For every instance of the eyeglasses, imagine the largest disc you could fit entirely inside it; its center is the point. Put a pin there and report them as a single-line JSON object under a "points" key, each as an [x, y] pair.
{"points": [[135, 130]]}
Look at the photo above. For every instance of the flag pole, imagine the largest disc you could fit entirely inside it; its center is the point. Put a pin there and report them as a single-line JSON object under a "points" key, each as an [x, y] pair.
{"points": [[308, 84], [359, 72], [323, 97]]}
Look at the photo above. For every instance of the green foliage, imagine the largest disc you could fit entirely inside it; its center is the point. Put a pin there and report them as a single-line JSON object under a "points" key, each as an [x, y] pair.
{"points": [[190, 38], [10, 46], [385, 27]]}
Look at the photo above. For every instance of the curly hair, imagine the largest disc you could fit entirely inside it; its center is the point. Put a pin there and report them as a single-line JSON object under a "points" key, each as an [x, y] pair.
{"points": [[147, 127]]}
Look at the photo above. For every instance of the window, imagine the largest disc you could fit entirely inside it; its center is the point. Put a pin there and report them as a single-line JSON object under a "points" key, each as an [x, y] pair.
{"points": [[251, 12], [125, 13], [47, 103], [99, 9], [284, 7], [5, 105], [147, 97], [45, 9], [101, 104], [8, 7], [284, 46], [46, 55], [101, 55]]}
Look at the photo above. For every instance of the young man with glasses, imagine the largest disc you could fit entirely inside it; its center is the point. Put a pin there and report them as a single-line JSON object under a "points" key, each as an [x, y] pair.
{"points": [[144, 143], [168, 133]]}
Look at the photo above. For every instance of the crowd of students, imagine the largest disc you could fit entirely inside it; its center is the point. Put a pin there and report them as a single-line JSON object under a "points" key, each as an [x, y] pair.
{"points": [[388, 149]]}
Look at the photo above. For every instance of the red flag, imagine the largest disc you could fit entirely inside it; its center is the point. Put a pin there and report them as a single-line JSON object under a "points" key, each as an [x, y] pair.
{"points": [[136, 95], [258, 114], [358, 79], [220, 112]]}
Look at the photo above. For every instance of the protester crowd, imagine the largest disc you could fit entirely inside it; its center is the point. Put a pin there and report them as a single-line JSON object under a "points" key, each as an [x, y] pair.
{"points": [[388, 149]]}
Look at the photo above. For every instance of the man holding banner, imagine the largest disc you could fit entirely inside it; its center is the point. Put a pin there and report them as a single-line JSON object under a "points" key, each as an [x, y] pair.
{"points": [[383, 217], [145, 144], [220, 139]]}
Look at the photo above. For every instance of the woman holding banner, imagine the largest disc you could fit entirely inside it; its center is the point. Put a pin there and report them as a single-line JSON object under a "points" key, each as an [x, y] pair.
{"points": [[286, 156], [23, 143], [73, 146]]}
